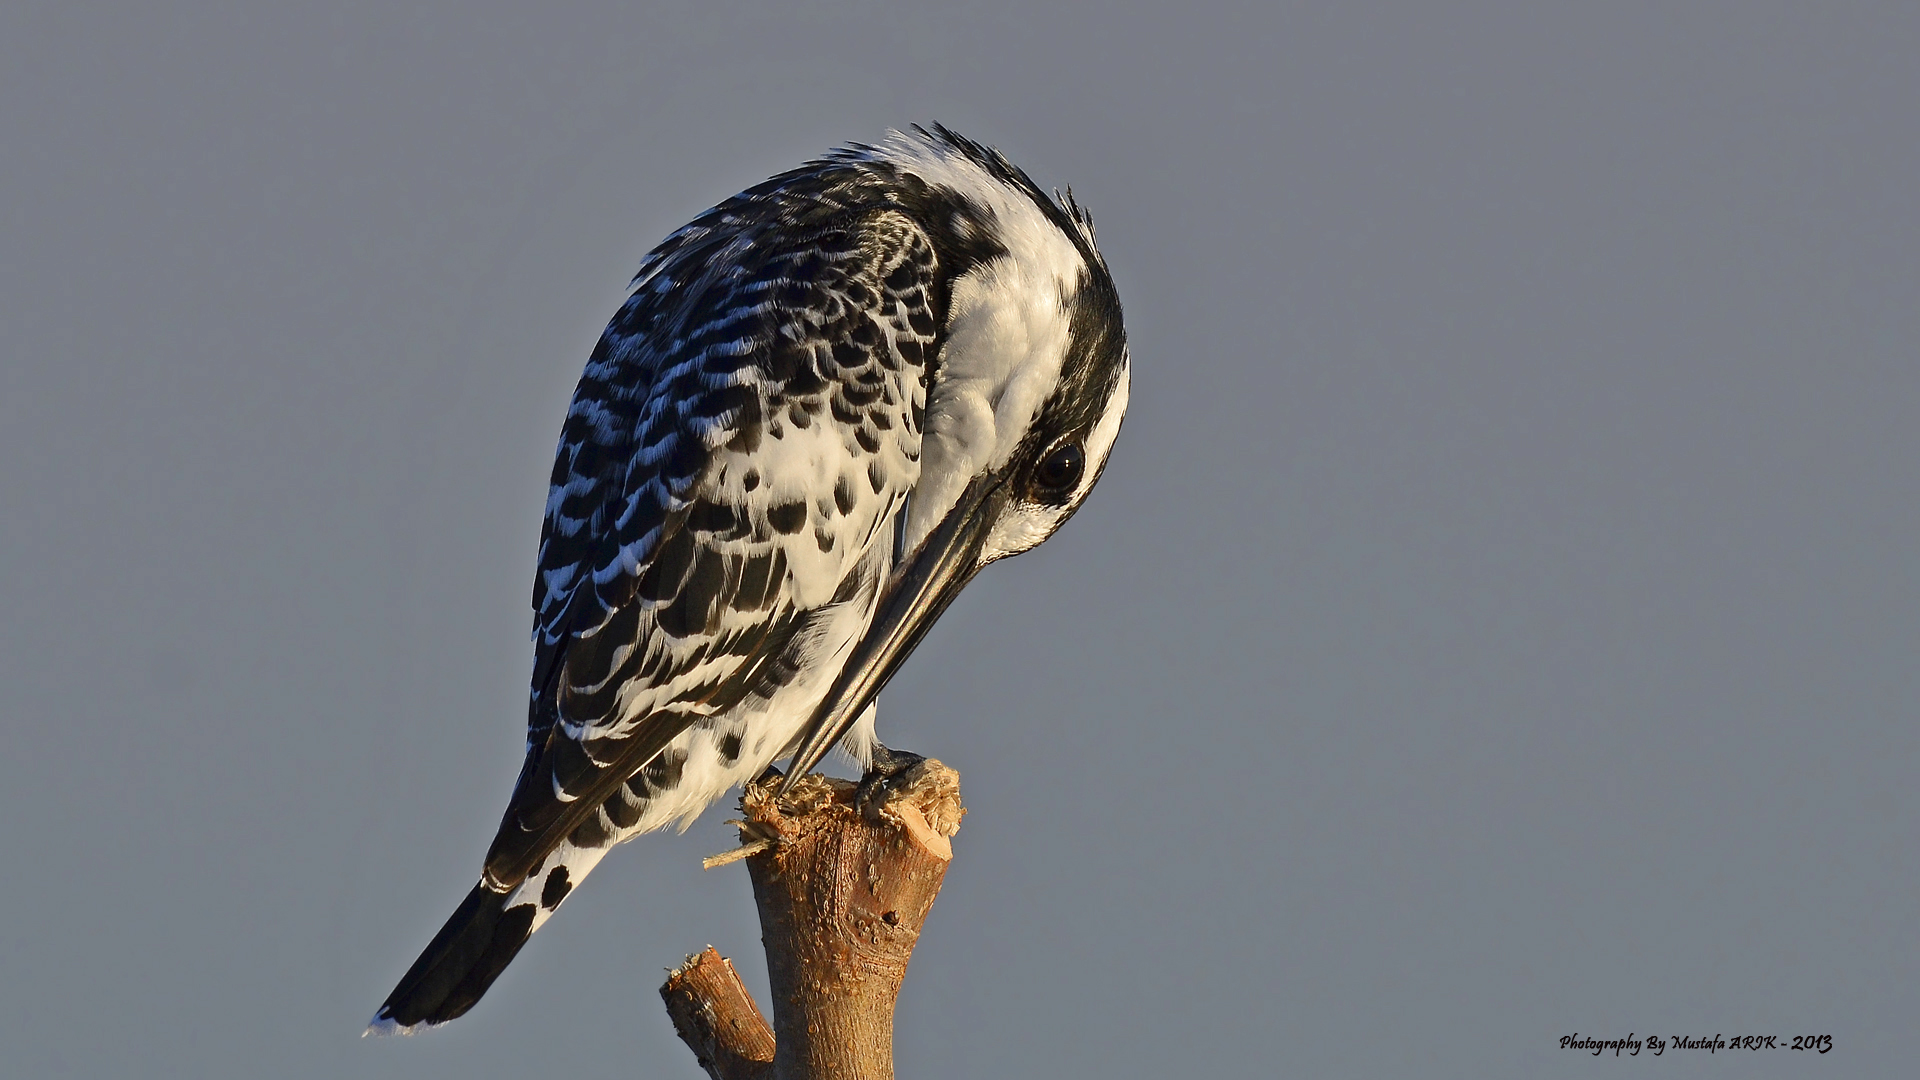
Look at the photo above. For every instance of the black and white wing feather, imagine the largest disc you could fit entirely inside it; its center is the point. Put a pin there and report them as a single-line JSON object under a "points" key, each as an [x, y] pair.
{"points": [[683, 552], [716, 586], [721, 510]]}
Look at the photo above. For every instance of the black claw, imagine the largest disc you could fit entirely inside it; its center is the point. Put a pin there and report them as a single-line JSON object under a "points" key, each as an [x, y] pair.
{"points": [[889, 768]]}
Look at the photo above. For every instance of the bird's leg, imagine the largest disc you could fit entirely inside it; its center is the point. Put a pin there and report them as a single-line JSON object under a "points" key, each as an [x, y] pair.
{"points": [[889, 768], [754, 838], [769, 777]]}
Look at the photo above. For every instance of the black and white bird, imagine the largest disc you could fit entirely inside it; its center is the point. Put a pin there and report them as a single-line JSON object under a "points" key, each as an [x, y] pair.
{"points": [[829, 402]]}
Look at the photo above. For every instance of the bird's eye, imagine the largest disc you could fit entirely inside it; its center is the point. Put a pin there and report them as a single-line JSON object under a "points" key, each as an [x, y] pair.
{"points": [[1059, 471]]}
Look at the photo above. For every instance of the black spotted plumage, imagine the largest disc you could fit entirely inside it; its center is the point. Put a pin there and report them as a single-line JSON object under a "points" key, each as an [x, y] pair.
{"points": [[792, 320], [727, 500]]}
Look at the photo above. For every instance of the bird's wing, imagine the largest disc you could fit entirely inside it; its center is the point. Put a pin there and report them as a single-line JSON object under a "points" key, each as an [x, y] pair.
{"points": [[744, 433]]}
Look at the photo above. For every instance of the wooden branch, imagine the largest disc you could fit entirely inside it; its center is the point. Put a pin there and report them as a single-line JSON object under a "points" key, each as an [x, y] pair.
{"points": [[842, 900], [715, 1015]]}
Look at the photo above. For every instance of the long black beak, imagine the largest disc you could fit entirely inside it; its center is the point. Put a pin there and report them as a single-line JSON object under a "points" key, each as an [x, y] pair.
{"points": [[918, 592]]}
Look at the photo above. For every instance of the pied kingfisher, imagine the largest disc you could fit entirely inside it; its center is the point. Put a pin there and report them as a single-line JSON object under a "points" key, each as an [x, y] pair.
{"points": [[829, 402]]}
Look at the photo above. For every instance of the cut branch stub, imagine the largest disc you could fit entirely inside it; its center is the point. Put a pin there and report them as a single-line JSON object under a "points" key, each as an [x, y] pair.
{"points": [[715, 1016], [842, 899]]}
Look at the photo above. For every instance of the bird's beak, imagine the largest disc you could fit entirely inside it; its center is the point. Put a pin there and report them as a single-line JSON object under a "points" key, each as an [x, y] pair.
{"points": [[915, 596]]}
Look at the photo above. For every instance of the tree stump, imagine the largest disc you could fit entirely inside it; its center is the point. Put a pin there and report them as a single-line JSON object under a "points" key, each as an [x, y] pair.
{"points": [[842, 899]]}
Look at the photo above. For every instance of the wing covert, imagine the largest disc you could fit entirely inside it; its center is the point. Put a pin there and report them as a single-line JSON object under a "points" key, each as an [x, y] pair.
{"points": [[744, 433]]}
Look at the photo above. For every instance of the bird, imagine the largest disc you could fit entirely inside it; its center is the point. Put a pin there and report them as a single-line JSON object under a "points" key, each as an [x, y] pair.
{"points": [[826, 404]]}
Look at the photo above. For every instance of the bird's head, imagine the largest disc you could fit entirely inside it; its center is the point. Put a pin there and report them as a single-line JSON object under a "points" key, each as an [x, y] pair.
{"points": [[1023, 403]]}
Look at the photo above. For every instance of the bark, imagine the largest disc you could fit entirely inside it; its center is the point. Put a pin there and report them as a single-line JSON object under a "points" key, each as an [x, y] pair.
{"points": [[842, 900], [715, 1016]]}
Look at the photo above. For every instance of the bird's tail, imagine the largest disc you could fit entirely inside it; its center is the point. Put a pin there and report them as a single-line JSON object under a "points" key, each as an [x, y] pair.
{"points": [[477, 943], [464, 958]]}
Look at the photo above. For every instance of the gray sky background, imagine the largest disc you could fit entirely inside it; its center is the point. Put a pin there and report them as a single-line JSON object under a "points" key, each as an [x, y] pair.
{"points": [[1500, 619]]}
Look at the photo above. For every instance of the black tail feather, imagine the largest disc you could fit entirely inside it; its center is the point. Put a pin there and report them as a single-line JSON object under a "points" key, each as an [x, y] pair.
{"points": [[470, 951]]}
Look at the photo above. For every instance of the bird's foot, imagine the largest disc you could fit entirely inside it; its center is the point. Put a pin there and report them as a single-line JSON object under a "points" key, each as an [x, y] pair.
{"points": [[889, 771]]}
